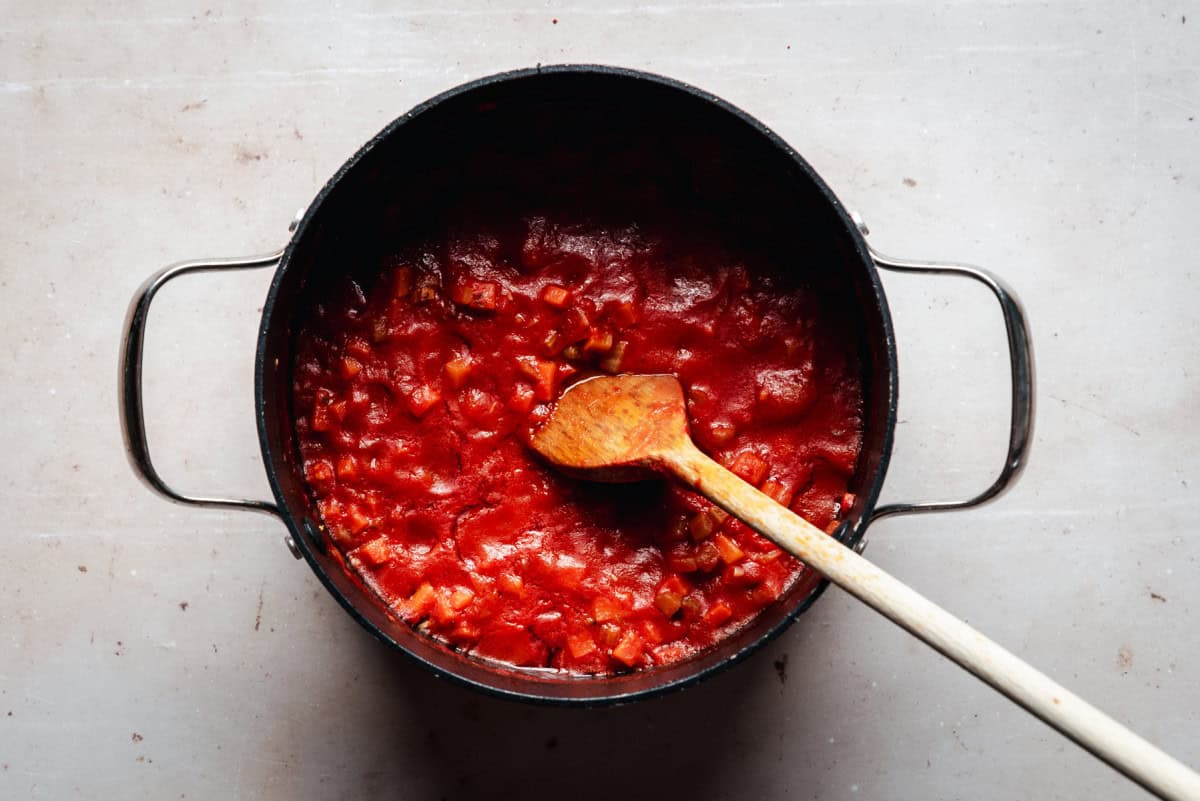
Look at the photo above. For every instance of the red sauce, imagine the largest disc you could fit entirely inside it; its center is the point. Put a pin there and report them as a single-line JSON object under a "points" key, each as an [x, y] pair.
{"points": [[415, 396]]}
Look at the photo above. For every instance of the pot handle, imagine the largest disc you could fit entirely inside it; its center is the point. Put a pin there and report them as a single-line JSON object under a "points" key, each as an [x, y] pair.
{"points": [[133, 423], [1020, 356]]}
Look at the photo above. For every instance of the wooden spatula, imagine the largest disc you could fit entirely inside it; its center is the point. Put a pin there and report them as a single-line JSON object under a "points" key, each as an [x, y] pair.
{"points": [[625, 428]]}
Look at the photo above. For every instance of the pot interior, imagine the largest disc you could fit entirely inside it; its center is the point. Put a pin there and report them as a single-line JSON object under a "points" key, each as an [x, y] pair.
{"points": [[560, 137]]}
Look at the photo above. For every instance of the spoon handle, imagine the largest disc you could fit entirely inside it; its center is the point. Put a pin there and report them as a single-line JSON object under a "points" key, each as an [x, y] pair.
{"points": [[1112, 742]]}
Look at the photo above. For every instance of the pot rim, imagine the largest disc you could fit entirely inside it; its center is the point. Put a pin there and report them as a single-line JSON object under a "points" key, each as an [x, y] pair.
{"points": [[850, 533]]}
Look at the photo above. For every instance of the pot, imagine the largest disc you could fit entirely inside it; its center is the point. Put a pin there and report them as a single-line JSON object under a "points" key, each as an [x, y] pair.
{"points": [[427, 155]]}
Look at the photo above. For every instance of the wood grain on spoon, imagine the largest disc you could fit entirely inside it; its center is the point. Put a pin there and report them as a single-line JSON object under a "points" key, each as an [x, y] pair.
{"points": [[620, 428]]}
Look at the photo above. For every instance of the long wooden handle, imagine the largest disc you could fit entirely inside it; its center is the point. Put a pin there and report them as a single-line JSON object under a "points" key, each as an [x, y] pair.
{"points": [[1159, 773]]}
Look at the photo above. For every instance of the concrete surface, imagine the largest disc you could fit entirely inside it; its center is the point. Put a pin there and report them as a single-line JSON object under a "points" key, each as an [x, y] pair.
{"points": [[151, 651]]}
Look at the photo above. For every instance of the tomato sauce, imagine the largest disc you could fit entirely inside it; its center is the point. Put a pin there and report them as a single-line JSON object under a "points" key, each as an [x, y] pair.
{"points": [[416, 391]]}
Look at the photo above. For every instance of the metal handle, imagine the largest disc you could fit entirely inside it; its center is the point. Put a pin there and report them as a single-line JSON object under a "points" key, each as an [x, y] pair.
{"points": [[1020, 355], [133, 423]]}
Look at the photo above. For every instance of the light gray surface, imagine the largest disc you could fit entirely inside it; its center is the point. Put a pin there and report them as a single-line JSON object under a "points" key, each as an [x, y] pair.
{"points": [[1055, 143]]}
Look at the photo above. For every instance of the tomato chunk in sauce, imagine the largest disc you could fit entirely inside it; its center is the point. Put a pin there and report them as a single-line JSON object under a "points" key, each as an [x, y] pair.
{"points": [[416, 390]]}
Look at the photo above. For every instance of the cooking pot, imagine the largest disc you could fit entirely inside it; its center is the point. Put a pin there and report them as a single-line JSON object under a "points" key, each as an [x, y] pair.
{"points": [[445, 145]]}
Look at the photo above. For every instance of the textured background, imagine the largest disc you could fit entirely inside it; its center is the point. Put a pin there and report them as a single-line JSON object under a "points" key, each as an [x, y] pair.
{"points": [[149, 651]]}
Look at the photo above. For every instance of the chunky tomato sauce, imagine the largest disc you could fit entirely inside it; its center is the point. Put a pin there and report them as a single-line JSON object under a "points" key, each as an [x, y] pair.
{"points": [[416, 391]]}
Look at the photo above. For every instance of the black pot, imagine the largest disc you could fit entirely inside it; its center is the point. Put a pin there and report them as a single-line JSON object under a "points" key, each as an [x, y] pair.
{"points": [[732, 160]]}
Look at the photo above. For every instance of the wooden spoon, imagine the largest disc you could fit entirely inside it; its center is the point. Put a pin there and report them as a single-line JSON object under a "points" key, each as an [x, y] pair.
{"points": [[624, 428]]}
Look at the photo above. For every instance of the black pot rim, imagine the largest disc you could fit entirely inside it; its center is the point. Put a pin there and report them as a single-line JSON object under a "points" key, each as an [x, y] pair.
{"points": [[849, 534]]}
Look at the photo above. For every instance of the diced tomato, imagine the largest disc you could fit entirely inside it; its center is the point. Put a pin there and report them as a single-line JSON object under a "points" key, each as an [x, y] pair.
{"points": [[318, 472], [629, 650], [422, 399], [521, 400], [359, 348], [511, 583], [350, 367], [847, 503], [482, 295], [461, 598], [543, 374], [707, 556], [356, 519], [721, 432], [556, 296], [375, 552], [702, 526], [606, 610], [622, 313], [347, 468], [777, 491], [580, 644], [575, 324], [750, 466], [784, 394], [513, 644], [320, 420]]}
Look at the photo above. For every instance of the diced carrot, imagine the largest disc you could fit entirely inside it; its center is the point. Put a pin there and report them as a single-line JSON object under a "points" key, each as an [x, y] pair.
{"points": [[457, 370], [777, 491], [422, 399], [350, 367], [833, 526], [376, 552], [750, 466], [707, 556], [629, 650], [611, 363], [729, 550], [718, 613], [347, 467], [600, 340], [580, 644], [417, 605], [606, 610], [461, 598], [555, 296]]}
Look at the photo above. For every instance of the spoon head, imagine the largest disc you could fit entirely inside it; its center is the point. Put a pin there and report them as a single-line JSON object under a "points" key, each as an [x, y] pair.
{"points": [[614, 428]]}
